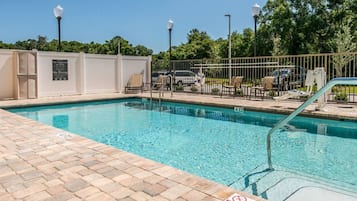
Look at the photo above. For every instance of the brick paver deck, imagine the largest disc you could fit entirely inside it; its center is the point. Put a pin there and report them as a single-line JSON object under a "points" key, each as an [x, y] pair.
{"points": [[39, 162]]}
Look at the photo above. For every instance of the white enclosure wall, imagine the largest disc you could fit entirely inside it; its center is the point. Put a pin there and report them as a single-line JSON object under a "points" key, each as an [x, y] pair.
{"points": [[82, 73], [135, 65], [101, 73], [7, 75], [49, 87]]}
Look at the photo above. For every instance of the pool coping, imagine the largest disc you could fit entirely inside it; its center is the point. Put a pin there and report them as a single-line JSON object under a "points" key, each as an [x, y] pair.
{"points": [[39, 162], [333, 110]]}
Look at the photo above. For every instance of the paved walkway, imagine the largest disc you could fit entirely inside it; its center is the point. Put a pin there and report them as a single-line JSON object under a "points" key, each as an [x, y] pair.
{"points": [[39, 162]]}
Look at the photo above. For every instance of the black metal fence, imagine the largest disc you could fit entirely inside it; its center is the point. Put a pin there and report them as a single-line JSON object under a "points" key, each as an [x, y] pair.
{"points": [[289, 72]]}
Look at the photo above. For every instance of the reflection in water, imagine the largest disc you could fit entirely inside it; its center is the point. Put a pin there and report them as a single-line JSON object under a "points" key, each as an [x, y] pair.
{"points": [[298, 124], [61, 121]]}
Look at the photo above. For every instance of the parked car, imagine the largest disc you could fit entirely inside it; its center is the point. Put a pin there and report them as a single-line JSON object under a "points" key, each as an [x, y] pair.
{"points": [[289, 77], [156, 74], [185, 77]]}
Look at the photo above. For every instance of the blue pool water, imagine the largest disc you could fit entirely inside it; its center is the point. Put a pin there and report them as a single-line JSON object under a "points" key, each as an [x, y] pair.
{"points": [[220, 144]]}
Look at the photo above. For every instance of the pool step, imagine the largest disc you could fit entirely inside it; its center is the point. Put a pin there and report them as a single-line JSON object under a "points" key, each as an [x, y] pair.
{"points": [[279, 185]]}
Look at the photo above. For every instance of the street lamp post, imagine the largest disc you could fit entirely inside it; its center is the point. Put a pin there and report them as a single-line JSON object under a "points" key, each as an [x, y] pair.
{"points": [[58, 12], [229, 48], [255, 13], [170, 25]]}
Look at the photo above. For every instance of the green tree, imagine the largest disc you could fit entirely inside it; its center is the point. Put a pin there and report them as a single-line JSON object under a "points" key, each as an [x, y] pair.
{"points": [[343, 42], [199, 45]]}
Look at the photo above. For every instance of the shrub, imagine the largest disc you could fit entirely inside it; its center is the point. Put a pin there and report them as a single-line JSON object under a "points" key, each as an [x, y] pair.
{"points": [[215, 91], [194, 88], [239, 92], [272, 93], [179, 88], [341, 97]]}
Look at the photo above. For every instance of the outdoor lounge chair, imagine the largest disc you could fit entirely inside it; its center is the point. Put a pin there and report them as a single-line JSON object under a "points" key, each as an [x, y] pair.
{"points": [[309, 83], [236, 83], [266, 85], [161, 82], [135, 83]]}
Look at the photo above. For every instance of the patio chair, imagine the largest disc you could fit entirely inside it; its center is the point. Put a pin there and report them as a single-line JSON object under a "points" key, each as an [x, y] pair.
{"points": [[135, 83], [266, 85], [236, 83], [309, 83], [160, 83]]}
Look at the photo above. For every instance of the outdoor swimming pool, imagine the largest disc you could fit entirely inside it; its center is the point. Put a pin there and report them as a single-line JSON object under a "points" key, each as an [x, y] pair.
{"points": [[221, 144]]}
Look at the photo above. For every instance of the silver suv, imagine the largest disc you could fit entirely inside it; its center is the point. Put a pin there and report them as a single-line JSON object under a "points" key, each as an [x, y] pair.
{"points": [[185, 77]]}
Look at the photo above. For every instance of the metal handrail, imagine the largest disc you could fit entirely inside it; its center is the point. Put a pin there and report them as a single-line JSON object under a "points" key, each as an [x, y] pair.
{"points": [[283, 122]]}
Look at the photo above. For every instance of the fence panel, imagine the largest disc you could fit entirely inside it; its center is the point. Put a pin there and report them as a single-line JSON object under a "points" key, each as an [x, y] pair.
{"points": [[289, 72]]}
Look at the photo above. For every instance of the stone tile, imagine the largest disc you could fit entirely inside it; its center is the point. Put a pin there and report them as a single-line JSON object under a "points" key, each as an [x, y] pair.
{"points": [[101, 182], [165, 171], [210, 198], [140, 196], [74, 199], [158, 198], [143, 174], [70, 177], [112, 173], [100, 196], [64, 196], [85, 172], [122, 177], [6, 197], [29, 191], [76, 185], [15, 187], [194, 195], [86, 192], [57, 189], [130, 181], [148, 188], [133, 170], [153, 179], [92, 177], [53, 182], [175, 191], [110, 187], [168, 183], [38, 196], [10, 180], [6, 171], [122, 192], [31, 174]]}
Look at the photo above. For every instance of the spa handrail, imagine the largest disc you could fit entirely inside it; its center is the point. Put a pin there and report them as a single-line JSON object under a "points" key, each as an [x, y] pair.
{"points": [[283, 122]]}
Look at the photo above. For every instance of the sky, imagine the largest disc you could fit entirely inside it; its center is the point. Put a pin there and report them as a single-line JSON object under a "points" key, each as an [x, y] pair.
{"points": [[141, 22]]}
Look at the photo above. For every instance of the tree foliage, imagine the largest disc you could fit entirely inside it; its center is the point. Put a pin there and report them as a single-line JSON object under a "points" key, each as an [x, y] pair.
{"points": [[109, 47], [284, 27]]}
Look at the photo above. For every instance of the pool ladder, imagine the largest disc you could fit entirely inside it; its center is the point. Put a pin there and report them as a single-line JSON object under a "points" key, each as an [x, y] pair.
{"points": [[283, 122], [161, 89]]}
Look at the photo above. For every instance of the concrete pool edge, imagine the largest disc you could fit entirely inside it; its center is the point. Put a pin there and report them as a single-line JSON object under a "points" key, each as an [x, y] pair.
{"points": [[333, 111], [37, 162]]}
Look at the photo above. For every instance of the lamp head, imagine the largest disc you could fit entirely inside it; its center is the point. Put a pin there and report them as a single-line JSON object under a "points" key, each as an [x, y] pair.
{"points": [[58, 11], [170, 25], [255, 10]]}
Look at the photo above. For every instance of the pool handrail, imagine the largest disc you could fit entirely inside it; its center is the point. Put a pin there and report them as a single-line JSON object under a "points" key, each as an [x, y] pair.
{"points": [[283, 122]]}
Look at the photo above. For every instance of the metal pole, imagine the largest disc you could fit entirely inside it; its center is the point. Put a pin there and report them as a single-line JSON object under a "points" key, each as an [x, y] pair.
{"points": [[59, 34], [170, 66], [229, 48], [170, 50], [255, 35]]}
